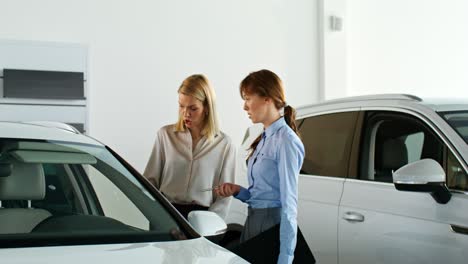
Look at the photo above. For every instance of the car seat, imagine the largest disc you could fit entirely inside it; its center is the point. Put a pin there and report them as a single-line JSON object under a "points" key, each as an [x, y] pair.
{"points": [[25, 182], [393, 156]]}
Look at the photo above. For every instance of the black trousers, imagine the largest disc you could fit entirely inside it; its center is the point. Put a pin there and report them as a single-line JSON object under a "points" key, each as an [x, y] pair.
{"points": [[260, 239]]}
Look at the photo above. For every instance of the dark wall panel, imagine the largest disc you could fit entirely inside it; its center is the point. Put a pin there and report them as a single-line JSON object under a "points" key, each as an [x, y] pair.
{"points": [[42, 84]]}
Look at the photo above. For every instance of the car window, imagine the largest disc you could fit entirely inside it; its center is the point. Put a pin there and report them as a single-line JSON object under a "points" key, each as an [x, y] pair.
{"points": [[60, 198], [459, 121], [392, 140], [66, 190], [113, 202], [327, 140], [457, 178]]}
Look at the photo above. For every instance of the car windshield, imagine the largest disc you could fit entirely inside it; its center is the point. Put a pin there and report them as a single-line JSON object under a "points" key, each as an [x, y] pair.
{"points": [[459, 121], [67, 193]]}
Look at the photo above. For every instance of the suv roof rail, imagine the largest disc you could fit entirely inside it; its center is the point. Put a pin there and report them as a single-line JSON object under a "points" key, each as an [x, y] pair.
{"points": [[369, 97], [380, 97], [54, 124]]}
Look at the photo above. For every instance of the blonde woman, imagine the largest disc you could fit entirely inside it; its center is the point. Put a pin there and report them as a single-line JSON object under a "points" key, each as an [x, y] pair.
{"points": [[192, 156]]}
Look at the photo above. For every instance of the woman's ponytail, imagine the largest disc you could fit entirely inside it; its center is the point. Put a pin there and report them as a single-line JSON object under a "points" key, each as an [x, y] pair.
{"points": [[253, 146], [290, 118]]}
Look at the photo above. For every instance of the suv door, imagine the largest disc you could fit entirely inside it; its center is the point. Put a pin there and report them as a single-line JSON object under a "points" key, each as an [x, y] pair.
{"points": [[379, 224], [328, 140]]}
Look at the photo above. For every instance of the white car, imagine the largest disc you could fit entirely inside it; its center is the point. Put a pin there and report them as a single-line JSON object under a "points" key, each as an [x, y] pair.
{"points": [[384, 180], [67, 198]]}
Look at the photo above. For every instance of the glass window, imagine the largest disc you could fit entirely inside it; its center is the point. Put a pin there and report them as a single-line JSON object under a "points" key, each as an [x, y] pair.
{"points": [[457, 179], [69, 191], [327, 140], [459, 121], [392, 140], [114, 202]]}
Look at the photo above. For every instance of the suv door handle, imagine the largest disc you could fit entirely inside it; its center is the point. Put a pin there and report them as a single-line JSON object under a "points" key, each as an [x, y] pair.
{"points": [[353, 217]]}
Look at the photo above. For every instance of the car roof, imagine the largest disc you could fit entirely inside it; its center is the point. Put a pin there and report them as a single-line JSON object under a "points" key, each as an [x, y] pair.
{"points": [[386, 100], [18, 130]]}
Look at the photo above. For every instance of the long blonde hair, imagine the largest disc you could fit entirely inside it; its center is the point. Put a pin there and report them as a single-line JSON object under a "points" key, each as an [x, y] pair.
{"points": [[198, 87]]}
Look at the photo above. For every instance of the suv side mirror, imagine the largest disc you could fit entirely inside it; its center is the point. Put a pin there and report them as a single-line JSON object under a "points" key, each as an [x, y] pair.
{"points": [[207, 223], [424, 175]]}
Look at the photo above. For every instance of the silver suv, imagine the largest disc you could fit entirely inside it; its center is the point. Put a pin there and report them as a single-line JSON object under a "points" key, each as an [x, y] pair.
{"points": [[384, 180]]}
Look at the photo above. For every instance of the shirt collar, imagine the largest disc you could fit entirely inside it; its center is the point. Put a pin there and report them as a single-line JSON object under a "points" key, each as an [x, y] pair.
{"points": [[274, 127]]}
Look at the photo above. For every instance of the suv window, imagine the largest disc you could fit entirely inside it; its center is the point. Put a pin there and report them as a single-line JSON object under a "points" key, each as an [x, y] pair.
{"points": [[457, 179], [459, 121], [327, 140], [392, 140]]}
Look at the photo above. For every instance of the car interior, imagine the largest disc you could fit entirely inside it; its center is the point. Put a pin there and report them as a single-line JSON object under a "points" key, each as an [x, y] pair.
{"points": [[392, 155], [25, 182], [392, 141], [54, 189]]}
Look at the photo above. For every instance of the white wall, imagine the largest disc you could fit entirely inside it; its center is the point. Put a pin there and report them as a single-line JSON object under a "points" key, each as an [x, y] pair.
{"points": [[332, 50], [140, 51], [400, 46]]}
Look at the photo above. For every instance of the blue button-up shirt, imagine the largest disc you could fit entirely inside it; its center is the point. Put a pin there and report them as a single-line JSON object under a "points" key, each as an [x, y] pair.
{"points": [[273, 172]]}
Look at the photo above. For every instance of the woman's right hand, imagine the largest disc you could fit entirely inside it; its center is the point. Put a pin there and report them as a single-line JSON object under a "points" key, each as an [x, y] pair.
{"points": [[227, 189]]}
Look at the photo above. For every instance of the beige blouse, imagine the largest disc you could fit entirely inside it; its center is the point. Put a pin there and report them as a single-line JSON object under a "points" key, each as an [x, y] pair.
{"points": [[181, 173]]}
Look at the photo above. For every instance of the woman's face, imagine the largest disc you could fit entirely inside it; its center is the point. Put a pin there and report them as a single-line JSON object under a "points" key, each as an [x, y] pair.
{"points": [[256, 107], [192, 111]]}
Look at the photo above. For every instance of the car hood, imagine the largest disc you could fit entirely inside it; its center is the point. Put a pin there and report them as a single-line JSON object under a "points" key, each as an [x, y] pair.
{"points": [[198, 250]]}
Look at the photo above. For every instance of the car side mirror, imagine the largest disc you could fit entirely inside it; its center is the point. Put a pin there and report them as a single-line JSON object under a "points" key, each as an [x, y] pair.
{"points": [[207, 223], [424, 175]]}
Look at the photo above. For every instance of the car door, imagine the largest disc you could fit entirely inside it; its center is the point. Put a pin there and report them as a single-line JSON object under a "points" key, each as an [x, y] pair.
{"points": [[379, 224], [327, 140]]}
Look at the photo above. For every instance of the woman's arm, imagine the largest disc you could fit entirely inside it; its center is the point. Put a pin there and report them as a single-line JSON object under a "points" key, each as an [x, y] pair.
{"points": [[228, 172], [291, 156], [155, 163]]}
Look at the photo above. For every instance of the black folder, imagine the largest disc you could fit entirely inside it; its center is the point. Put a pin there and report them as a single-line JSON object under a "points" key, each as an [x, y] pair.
{"points": [[264, 248]]}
